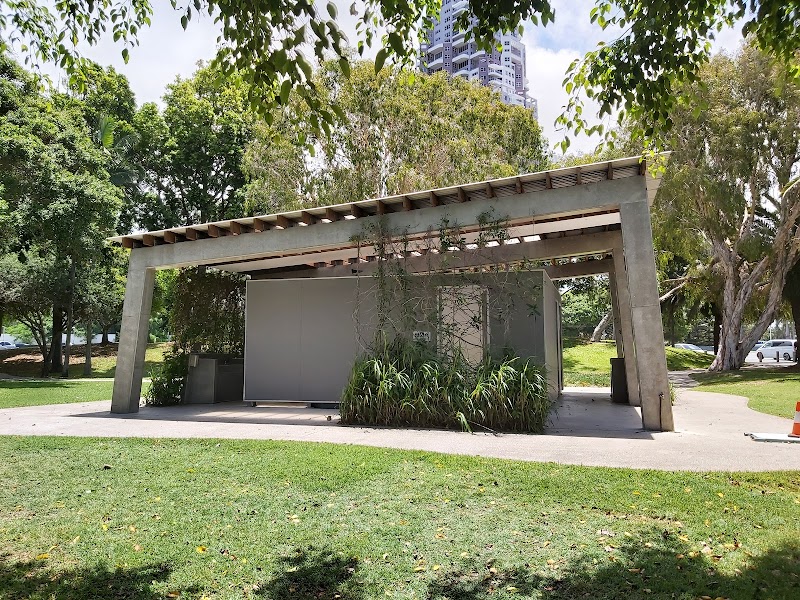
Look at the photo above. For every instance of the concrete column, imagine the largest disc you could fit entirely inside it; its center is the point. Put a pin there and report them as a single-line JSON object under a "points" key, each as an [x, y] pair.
{"points": [[648, 334], [612, 286], [133, 336], [625, 328]]}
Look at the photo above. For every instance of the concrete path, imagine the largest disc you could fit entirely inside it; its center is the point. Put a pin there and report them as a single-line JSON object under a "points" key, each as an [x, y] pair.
{"points": [[585, 429]]}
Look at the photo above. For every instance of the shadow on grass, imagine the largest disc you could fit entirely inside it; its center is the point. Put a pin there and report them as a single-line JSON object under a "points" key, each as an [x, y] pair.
{"points": [[35, 580], [313, 573], [24, 384], [631, 571]]}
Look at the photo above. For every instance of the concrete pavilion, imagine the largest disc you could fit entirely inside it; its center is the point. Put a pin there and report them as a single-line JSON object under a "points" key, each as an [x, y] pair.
{"points": [[583, 220]]}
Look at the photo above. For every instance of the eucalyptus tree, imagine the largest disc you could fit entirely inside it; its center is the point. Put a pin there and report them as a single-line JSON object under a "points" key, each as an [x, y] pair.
{"points": [[725, 193], [397, 132], [653, 51]]}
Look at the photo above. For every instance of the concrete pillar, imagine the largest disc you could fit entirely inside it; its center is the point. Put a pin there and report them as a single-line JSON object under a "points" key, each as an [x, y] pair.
{"points": [[623, 296], [648, 334], [133, 336], [612, 287]]}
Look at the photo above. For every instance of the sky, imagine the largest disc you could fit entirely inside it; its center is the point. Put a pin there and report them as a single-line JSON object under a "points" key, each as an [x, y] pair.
{"points": [[166, 51]]}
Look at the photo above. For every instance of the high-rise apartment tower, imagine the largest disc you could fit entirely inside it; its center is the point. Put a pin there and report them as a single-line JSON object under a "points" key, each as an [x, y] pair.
{"points": [[504, 70]]}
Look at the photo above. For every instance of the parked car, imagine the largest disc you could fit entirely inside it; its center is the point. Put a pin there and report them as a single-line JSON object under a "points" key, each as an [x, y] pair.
{"points": [[691, 347], [777, 350], [4, 345]]}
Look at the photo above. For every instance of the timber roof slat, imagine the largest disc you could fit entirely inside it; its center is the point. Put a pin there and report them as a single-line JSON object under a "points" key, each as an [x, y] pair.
{"points": [[508, 186]]}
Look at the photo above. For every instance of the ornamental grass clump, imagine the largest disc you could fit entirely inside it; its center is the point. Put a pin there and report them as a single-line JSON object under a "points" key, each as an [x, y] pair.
{"points": [[408, 386]]}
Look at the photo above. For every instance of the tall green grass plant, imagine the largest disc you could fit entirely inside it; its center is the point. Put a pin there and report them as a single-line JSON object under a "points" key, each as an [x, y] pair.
{"points": [[407, 385]]}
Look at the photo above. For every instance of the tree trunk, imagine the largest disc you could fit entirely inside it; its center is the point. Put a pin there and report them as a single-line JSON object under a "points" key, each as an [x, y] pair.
{"points": [[104, 340], [55, 344], [717, 329], [87, 364], [795, 304], [597, 334], [70, 310]]}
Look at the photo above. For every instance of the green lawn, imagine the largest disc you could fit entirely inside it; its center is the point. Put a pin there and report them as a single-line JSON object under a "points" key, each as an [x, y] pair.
{"points": [[52, 391], [771, 391], [587, 363], [192, 519], [104, 361]]}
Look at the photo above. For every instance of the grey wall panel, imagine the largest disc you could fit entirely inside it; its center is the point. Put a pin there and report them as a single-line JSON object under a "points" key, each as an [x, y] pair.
{"points": [[301, 338], [327, 337], [272, 340]]}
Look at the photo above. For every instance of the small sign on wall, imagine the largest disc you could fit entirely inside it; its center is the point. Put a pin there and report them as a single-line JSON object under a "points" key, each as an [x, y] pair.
{"points": [[422, 336]]}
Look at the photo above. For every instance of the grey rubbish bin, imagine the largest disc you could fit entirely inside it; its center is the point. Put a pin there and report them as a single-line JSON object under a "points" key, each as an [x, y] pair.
{"points": [[619, 383]]}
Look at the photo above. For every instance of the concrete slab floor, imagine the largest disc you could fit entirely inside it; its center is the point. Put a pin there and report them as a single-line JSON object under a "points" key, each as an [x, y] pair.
{"points": [[585, 429]]}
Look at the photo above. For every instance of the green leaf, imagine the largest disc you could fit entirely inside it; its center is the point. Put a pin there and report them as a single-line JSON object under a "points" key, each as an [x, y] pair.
{"points": [[380, 58], [344, 65]]}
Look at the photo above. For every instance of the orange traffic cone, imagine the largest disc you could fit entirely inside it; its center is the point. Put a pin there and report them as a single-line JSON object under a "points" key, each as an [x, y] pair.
{"points": [[796, 425]]}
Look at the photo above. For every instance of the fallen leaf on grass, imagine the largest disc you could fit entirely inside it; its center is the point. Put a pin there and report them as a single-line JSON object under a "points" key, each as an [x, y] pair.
{"points": [[201, 549], [42, 556]]}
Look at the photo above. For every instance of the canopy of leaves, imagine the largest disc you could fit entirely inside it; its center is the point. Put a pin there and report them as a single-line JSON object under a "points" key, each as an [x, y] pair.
{"points": [[191, 152], [58, 203], [396, 133], [636, 74]]}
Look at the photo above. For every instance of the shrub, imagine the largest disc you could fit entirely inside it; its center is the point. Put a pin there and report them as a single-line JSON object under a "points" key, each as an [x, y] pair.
{"points": [[168, 379], [406, 385]]}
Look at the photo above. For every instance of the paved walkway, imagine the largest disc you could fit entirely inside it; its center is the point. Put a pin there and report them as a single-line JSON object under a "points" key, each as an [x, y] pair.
{"points": [[585, 429]]}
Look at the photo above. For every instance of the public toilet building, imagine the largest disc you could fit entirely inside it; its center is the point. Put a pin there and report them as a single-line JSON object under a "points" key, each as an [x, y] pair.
{"points": [[310, 271]]}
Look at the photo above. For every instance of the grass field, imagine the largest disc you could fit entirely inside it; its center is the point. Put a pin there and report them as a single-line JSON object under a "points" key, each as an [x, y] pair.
{"points": [[28, 363], [771, 391], [587, 363], [52, 391], [213, 519]]}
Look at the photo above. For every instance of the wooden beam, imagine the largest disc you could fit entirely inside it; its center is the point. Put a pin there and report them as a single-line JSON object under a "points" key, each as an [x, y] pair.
{"points": [[320, 265], [434, 199], [307, 218], [337, 263], [356, 211], [240, 228], [382, 208], [127, 242], [148, 240], [215, 232], [192, 234], [578, 176], [490, 190], [462, 195], [548, 181], [642, 167], [332, 215], [283, 222], [610, 174], [260, 225], [520, 189], [408, 204], [170, 237]]}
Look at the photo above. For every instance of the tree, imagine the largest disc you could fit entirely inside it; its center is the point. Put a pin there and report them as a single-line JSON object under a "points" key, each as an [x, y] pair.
{"points": [[59, 199], [638, 73], [397, 133], [191, 153], [723, 193], [791, 293]]}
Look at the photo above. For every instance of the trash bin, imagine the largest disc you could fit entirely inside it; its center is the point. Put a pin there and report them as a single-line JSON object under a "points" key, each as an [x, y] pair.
{"points": [[619, 382]]}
